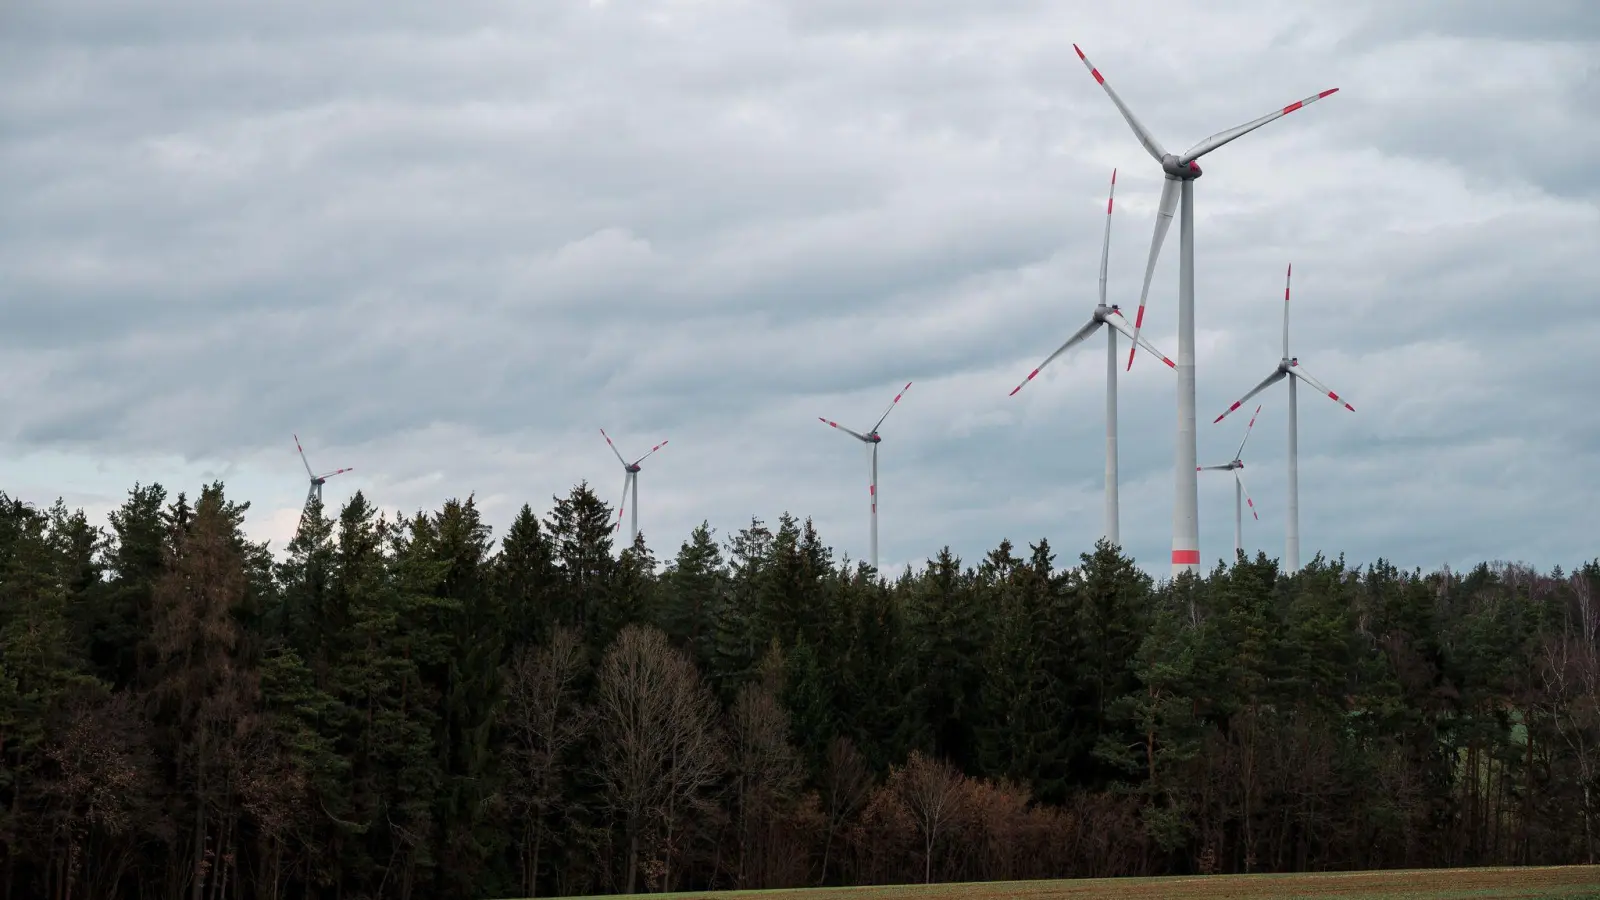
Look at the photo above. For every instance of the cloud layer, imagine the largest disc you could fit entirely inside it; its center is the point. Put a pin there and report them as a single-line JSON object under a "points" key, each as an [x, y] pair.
{"points": [[447, 244]]}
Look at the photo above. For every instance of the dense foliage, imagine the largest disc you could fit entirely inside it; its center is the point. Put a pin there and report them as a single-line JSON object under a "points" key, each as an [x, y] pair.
{"points": [[399, 708]]}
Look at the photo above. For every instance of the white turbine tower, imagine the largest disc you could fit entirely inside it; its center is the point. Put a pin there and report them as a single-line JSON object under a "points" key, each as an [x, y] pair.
{"points": [[871, 437], [1111, 316], [1181, 171], [630, 478], [316, 480], [1238, 488], [1290, 366]]}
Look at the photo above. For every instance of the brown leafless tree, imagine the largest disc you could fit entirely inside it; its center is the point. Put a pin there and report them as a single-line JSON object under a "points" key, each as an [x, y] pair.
{"points": [[661, 753], [766, 774], [932, 791], [846, 785], [543, 721]]}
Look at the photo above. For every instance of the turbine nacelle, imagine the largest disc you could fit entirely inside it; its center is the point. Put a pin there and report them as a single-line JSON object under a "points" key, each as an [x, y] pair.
{"points": [[1177, 168], [873, 438]]}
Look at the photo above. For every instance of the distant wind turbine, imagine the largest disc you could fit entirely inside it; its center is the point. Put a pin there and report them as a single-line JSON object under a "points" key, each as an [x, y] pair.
{"points": [[1290, 366], [1112, 316], [871, 437], [1238, 487], [316, 480], [629, 478]]}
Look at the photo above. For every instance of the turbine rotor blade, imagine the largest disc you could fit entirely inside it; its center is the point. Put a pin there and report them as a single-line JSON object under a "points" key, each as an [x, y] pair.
{"points": [[1120, 323], [1305, 376], [613, 447], [1266, 383], [1222, 137], [1151, 145], [1164, 213], [1105, 246], [1078, 338], [1240, 451], [855, 434], [336, 472], [647, 455], [1212, 468], [1246, 491], [626, 478], [303, 461], [892, 404], [1288, 273]]}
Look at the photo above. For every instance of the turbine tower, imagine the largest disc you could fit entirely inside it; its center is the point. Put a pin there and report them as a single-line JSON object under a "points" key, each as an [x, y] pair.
{"points": [[1110, 316], [1290, 366], [316, 480], [871, 437], [630, 478], [1238, 488], [1181, 171]]}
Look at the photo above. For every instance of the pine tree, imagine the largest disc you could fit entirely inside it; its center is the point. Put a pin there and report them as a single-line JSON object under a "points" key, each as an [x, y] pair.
{"points": [[524, 578], [693, 588], [949, 624]]}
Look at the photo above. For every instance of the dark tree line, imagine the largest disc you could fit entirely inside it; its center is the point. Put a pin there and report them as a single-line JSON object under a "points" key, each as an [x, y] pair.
{"points": [[402, 708]]}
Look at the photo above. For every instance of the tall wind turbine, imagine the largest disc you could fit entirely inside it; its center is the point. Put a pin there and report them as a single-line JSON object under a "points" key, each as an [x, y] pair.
{"points": [[1111, 316], [871, 437], [630, 478], [1181, 171], [316, 480], [1290, 366], [1238, 487]]}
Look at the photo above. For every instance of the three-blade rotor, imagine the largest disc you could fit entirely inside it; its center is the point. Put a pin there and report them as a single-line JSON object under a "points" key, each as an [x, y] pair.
{"points": [[1104, 314], [1236, 465], [630, 473], [1289, 366]]}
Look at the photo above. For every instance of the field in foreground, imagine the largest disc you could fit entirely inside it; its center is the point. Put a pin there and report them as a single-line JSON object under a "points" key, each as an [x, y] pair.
{"points": [[1428, 884]]}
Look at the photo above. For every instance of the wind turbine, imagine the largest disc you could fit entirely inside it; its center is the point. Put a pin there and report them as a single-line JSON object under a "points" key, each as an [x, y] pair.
{"points": [[630, 477], [1181, 171], [1111, 316], [1238, 487], [871, 437], [1288, 366], [316, 480]]}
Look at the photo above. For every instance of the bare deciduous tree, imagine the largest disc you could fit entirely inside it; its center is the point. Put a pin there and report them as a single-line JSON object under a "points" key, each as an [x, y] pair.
{"points": [[766, 772], [660, 750], [846, 785], [543, 720], [932, 791]]}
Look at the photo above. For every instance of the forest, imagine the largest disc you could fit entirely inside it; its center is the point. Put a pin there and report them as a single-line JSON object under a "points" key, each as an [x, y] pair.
{"points": [[403, 706]]}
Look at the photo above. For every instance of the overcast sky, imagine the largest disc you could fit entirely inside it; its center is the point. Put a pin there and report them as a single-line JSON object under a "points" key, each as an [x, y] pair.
{"points": [[446, 243]]}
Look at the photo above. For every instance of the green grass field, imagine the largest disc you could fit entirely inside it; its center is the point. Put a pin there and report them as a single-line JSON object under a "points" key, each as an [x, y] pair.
{"points": [[1568, 882]]}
